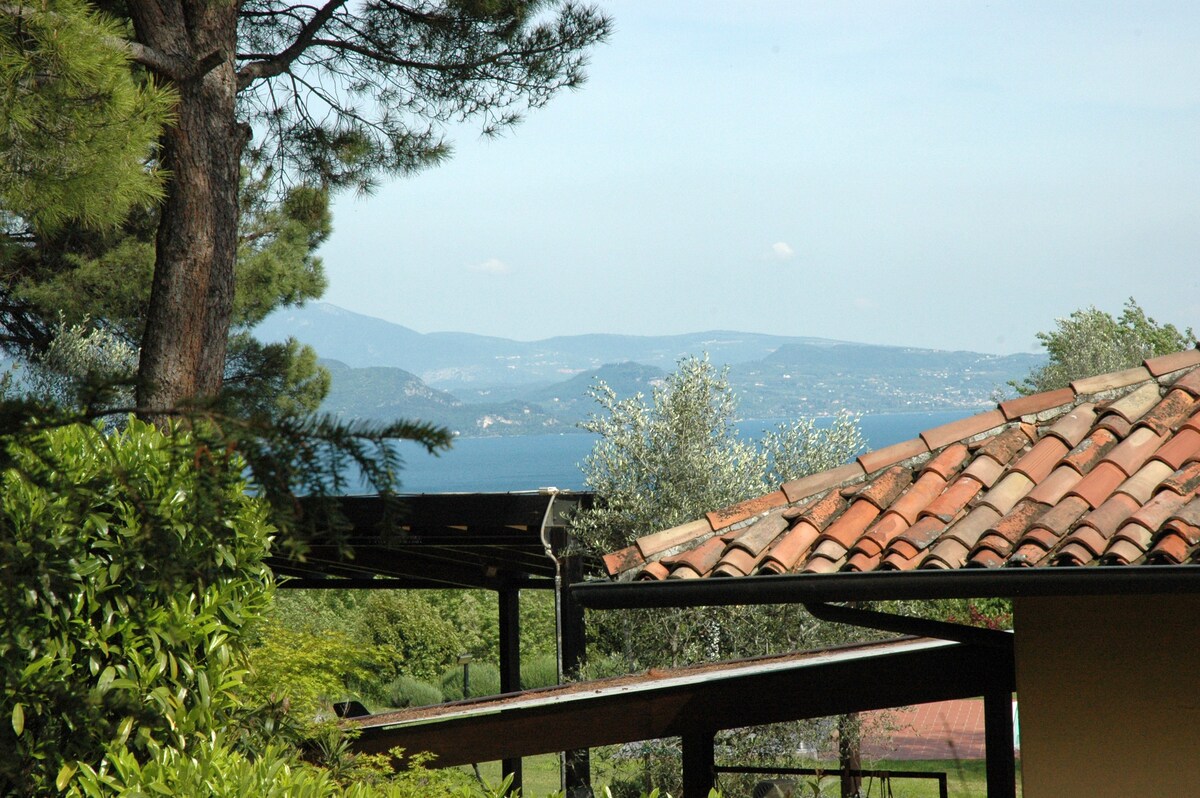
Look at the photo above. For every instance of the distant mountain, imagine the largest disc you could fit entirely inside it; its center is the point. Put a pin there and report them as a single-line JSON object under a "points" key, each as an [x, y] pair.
{"points": [[457, 361], [873, 379], [480, 385]]}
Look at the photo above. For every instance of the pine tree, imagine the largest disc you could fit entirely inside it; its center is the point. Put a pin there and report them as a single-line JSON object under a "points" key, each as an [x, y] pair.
{"points": [[335, 95]]}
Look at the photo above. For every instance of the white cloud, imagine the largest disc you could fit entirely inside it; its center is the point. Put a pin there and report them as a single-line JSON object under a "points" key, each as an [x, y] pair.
{"points": [[781, 250], [492, 266], [863, 303]]}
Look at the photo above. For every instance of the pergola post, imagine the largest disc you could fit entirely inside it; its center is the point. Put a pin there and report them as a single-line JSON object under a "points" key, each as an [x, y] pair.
{"points": [[572, 642], [698, 761], [998, 739], [510, 662]]}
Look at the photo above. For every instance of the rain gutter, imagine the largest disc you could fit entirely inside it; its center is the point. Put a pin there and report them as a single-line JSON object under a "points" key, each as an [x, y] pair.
{"points": [[884, 585]]}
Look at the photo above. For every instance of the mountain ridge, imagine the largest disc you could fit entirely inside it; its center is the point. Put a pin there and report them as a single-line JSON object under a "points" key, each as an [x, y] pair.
{"points": [[484, 385]]}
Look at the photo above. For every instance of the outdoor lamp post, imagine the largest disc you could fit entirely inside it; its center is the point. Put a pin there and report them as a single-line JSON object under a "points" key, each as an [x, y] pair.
{"points": [[464, 659]]}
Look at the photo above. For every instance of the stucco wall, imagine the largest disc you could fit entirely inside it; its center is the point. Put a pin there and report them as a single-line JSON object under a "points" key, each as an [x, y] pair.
{"points": [[1109, 691]]}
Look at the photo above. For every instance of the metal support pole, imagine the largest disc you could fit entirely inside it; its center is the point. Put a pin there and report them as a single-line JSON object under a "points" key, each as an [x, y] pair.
{"points": [[998, 738], [510, 662], [698, 761], [572, 651]]}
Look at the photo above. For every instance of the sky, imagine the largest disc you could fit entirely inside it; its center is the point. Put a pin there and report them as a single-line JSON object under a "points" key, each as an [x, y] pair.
{"points": [[949, 175]]}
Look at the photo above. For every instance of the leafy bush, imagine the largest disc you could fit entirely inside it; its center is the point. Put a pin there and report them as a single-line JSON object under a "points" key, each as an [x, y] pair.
{"points": [[308, 670], [540, 671], [403, 622], [215, 770], [133, 561], [405, 691], [485, 680]]}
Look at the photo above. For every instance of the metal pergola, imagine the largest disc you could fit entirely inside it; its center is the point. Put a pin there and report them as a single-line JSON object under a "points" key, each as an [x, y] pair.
{"points": [[502, 542]]}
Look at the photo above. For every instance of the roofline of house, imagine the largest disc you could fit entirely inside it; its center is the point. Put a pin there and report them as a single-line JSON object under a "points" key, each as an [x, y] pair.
{"points": [[884, 585]]}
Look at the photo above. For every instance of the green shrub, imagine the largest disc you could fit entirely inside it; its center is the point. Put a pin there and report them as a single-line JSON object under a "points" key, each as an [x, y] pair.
{"points": [[308, 670], [485, 680], [132, 562], [540, 671], [405, 691], [215, 770], [401, 621]]}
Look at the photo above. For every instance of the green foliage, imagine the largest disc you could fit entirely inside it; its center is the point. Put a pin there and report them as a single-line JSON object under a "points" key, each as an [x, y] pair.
{"points": [[307, 671], [80, 125], [276, 245], [95, 285], [375, 105], [662, 463], [485, 680], [214, 769], [539, 671], [666, 462], [133, 561], [401, 622], [79, 358], [1090, 342], [405, 691]]}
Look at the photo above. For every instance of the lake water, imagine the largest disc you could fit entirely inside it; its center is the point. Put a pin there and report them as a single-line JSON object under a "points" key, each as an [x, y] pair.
{"points": [[529, 462]]}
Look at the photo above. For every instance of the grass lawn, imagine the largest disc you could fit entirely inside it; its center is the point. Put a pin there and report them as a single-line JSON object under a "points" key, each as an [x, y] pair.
{"points": [[540, 774]]}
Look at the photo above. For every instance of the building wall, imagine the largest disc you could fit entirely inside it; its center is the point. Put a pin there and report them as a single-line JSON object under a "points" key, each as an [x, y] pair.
{"points": [[1109, 691]]}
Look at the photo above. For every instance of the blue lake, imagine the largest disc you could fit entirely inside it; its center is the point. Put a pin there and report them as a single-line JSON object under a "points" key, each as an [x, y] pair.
{"points": [[528, 462]]}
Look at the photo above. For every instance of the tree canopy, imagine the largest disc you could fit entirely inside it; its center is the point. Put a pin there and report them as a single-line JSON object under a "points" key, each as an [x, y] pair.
{"points": [[326, 96], [1091, 341]]}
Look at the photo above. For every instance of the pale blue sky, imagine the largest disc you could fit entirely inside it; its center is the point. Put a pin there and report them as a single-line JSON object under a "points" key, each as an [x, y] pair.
{"points": [[950, 175]]}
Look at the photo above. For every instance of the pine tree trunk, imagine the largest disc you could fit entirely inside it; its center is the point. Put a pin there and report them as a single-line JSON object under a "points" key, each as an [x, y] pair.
{"points": [[191, 300]]}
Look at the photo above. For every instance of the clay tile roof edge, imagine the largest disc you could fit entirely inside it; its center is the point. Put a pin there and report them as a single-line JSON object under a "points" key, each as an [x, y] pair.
{"points": [[1036, 403], [963, 429], [1177, 361], [1103, 383], [805, 487]]}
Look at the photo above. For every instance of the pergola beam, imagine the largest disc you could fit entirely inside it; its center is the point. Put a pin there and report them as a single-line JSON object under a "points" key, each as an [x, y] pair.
{"points": [[511, 727]]}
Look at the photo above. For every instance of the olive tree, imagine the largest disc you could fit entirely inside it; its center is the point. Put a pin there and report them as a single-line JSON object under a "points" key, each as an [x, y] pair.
{"points": [[1091, 341], [666, 460]]}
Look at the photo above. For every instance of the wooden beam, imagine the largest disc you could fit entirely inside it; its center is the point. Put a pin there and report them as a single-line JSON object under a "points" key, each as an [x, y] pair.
{"points": [[586, 719]]}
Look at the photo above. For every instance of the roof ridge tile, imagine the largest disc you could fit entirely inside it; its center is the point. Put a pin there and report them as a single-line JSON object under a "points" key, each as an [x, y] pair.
{"points": [[804, 487], [1114, 380], [1189, 382], [1104, 472], [1074, 426], [927, 487], [743, 510], [1039, 461], [1008, 491], [1176, 361], [1033, 404], [1089, 451], [963, 429], [877, 459], [1133, 405], [1170, 412], [789, 548], [884, 488], [1051, 489]]}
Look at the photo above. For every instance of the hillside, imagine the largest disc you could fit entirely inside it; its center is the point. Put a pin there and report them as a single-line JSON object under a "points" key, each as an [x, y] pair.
{"points": [[479, 385]]}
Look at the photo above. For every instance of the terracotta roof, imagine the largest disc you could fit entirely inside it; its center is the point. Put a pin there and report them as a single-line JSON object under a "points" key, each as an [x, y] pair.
{"points": [[1104, 472]]}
